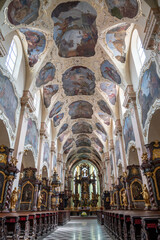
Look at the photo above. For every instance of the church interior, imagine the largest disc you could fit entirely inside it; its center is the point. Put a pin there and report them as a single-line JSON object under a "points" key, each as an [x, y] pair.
{"points": [[80, 119]]}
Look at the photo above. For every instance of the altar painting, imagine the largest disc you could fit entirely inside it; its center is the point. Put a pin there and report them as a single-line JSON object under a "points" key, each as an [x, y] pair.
{"points": [[110, 89], [32, 135], [36, 44], [150, 90], [128, 132], [82, 127], [8, 100], [103, 106], [48, 92], [56, 109], [109, 72], [80, 109], [57, 119], [23, 12], [78, 81], [122, 8], [75, 32], [46, 153], [46, 74]]}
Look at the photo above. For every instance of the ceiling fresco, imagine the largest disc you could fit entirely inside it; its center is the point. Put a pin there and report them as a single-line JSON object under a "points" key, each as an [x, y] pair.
{"points": [[83, 150], [78, 81], [68, 143], [57, 119], [80, 109], [56, 109], [105, 118], [23, 12], [83, 142], [109, 72], [62, 129], [36, 44], [82, 127], [101, 131], [46, 74], [103, 106], [122, 8], [115, 39], [75, 32], [110, 89], [48, 92]]}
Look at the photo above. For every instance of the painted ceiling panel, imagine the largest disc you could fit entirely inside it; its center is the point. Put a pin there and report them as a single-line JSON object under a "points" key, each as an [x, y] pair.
{"points": [[57, 119], [83, 142], [110, 89], [109, 72], [62, 129], [103, 106], [56, 109], [46, 74], [48, 92], [82, 127], [105, 118], [80, 109]]}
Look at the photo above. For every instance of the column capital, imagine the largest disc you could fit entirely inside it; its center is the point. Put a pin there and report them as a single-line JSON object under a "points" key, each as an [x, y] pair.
{"points": [[130, 96], [43, 128], [118, 128], [59, 157], [53, 148], [27, 101]]}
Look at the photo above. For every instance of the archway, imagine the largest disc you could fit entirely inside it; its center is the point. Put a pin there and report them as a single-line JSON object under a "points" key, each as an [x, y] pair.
{"points": [[154, 128], [4, 138], [44, 172], [27, 160], [133, 156]]}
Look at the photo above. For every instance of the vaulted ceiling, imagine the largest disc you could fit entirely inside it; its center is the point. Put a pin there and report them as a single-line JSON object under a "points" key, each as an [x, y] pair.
{"points": [[77, 55]]}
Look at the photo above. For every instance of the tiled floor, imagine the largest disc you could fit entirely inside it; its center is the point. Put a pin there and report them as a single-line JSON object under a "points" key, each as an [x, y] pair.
{"points": [[80, 229]]}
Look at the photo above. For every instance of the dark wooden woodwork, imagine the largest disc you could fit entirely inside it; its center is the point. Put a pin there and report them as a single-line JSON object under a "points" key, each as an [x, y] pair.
{"points": [[63, 217]]}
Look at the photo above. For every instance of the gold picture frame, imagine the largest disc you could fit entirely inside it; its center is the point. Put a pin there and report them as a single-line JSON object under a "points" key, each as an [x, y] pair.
{"points": [[136, 180], [3, 188], [155, 182], [43, 190], [22, 191]]}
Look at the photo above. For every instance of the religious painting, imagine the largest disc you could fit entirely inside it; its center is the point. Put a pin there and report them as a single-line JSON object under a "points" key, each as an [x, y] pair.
{"points": [[78, 81], [104, 117], [128, 132], [48, 92], [83, 156], [44, 195], [136, 191], [8, 100], [104, 107], [82, 127], [62, 129], [32, 135], [83, 142], [46, 74], [36, 44], [117, 151], [150, 90], [115, 39], [83, 150], [2, 185], [101, 131], [23, 12], [156, 177], [56, 109], [27, 193], [75, 32], [46, 152], [68, 142], [110, 89], [80, 109], [96, 153], [98, 142], [109, 72], [57, 119], [122, 8], [66, 151], [63, 135]]}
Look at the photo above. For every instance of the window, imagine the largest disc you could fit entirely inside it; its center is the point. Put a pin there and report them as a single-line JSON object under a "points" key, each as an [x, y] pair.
{"points": [[11, 58], [141, 53]]}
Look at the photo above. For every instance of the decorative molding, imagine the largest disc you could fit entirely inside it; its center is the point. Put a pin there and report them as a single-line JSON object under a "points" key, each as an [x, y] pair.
{"points": [[130, 96], [27, 101]]}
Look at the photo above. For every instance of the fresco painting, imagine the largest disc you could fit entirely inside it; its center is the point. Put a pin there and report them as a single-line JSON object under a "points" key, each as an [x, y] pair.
{"points": [[80, 109], [23, 12], [110, 89], [83, 156], [83, 142], [78, 81], [82, 127], [75, 32], [57, 119], [32, 135], [83, 150], [66, 151], [115, 39], [48, 92], [109, 72], [62, 129], [62, 136], [103, 106], [36, 44], [98, 142], [56, 109], [122, 8], [68, 142], [104, 117], [117, 151], [128, 132], [101, 131], [150, 90], [46, 74], [46, 153], [8, 100]]}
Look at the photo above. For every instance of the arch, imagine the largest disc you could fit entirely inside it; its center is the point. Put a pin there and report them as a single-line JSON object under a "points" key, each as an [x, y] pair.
{"points": [[4, 137], [44, 172], [27, 160], [133, 156], [154, 127]]}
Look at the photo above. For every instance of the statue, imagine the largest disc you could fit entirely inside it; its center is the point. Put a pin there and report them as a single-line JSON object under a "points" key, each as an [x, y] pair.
{"points": [[124, 197], [39, 201], [14, 198], [111, 201], [146, 196]]}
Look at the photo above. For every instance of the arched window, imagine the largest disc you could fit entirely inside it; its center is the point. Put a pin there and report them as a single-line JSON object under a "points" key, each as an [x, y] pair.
{"points": [[12, 57], [141, 52]]}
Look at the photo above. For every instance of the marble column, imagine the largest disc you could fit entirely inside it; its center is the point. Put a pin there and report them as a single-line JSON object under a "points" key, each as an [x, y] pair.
{"points": [[107, 160], [27, 107], [118, 133], [43, 135], [52, 152], [111, 149]]}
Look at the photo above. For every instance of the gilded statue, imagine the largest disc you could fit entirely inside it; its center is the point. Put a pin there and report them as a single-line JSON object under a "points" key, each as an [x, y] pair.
{"points": [[39, 201], [124, 197], [145, 195], [111, 201], [14, 198], [13, 161]]}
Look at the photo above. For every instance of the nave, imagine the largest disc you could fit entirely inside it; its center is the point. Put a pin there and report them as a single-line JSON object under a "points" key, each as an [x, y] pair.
{"points": [[80, 229]]}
